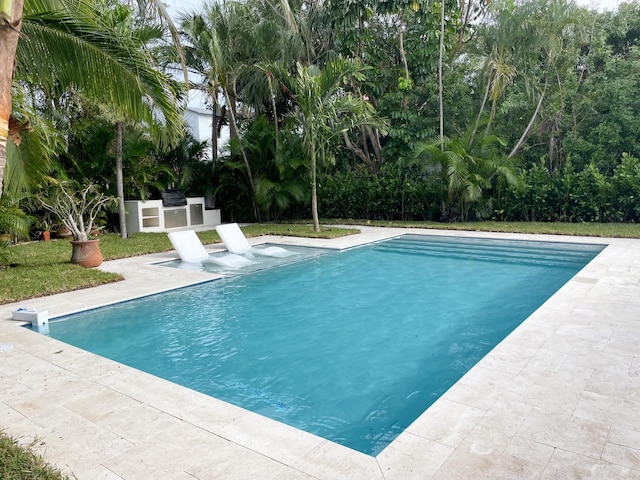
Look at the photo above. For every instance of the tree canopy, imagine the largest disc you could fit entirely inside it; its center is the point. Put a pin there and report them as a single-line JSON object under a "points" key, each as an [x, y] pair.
{"points": [[456, 110]]}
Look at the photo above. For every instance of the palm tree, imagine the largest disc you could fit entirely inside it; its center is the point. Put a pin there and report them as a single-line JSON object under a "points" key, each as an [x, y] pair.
{"points": [[468, 169], [65, 45], [224, 44], [280, 36], [137, 37], [10, 26], [217, 50], [525, 42], [323, 111], [202, 48], [280, 171], [502, 42], [556, 28]]}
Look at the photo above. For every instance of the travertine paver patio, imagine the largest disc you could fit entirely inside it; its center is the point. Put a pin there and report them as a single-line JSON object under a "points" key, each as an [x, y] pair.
{"points": [[558, 398]]}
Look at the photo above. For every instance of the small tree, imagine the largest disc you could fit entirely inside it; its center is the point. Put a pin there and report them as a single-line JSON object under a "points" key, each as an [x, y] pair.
{"points": [[324, 111], [76, 209]]}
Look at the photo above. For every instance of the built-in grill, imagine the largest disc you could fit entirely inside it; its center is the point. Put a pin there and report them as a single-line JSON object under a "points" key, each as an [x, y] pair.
{"points": [[173, 198]]}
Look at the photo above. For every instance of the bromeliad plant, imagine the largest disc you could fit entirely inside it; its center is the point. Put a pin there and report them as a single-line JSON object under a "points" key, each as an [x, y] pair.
{"points": [[76, 209]]}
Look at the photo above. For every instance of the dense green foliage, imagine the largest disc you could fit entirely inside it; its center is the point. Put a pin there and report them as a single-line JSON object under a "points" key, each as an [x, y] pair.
{"points": [[540, 114], [569, 195], [392, 193], [539, 110], [566, 195]]}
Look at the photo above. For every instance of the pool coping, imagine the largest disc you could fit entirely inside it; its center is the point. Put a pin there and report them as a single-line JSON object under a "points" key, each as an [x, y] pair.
{"points": [[558, 397]]}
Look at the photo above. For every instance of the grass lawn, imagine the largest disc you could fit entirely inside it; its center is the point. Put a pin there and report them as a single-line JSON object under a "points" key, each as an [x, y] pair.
{"points": [[615, 230], [20, 463], [42, 268], [38, 269]]}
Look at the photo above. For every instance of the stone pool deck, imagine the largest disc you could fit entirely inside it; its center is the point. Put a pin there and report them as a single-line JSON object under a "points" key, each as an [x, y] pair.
{"points": [[559, 398]]}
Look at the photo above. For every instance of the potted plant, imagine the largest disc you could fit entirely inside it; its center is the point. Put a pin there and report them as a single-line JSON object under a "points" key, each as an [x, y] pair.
{"points": [[78, 209], [62, 231], [45, 225]]}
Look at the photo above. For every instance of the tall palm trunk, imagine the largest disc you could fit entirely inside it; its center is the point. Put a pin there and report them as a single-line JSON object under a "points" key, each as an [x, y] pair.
{"points": [[234, 133], [10, 24], [234, 128], [403, 56], [467, 7], [524, 135], [479, 117], [314, 190], [214, 127], [214, 135], [120, 182], [440, 82], [275, 112]]}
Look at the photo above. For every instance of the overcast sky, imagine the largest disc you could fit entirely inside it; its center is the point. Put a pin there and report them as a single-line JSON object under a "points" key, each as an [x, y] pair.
{"points": [[179, 6]]}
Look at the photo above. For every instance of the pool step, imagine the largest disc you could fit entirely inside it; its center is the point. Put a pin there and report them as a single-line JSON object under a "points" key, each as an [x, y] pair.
{"points": [[521, 252]]}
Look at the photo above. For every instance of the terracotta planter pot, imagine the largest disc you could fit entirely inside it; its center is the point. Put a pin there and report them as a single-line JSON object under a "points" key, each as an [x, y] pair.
{"points": [[63, 232], [86, 253], [46, 235]]}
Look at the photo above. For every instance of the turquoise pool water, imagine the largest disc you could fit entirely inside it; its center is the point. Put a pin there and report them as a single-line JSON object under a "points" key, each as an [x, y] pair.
{"points": [[352, 346]]}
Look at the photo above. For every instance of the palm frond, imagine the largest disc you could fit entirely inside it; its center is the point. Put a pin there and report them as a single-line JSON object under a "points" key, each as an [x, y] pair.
{"points": [[65, 45]]}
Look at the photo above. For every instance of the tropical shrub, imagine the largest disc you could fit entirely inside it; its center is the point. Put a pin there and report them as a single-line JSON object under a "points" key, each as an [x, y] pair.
{"points": [[393, 192], [14, 222], [184, 165], [535, 199], [590, 198], [576, 196], [280, 175], [626, 188]]}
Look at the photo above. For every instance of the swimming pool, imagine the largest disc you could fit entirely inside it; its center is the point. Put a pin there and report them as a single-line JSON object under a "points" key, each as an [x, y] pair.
{"points": [[352, 346]]}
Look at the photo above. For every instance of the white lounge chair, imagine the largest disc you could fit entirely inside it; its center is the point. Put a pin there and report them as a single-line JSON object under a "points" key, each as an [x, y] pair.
{"points": [[191, 250], [237, 243]]}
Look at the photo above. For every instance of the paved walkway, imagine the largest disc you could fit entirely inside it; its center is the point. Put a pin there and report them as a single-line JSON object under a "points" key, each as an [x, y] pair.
{"points": [[559, 398]]}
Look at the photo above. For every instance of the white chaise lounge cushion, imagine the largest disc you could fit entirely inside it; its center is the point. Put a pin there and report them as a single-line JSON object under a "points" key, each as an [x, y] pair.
{"points": [[236, 242], [191, 250], [230, 260]]}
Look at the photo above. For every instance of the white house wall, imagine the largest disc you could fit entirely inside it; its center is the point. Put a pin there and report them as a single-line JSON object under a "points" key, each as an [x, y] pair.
{"points": [[199, 122]]}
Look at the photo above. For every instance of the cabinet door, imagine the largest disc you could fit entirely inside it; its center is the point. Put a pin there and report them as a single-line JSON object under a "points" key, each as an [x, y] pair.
{"points": [[195, 214], [175, 217]]}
